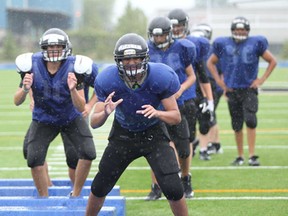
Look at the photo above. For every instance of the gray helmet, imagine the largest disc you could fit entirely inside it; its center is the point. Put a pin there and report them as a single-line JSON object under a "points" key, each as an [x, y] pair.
{"points": [[179, 17], [160, 26]]}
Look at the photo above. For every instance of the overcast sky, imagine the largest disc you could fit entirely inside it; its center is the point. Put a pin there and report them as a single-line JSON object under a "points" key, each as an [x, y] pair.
{"points": [[151, 6]]}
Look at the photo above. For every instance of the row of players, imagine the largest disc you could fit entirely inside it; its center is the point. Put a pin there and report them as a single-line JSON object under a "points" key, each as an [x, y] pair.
{"points": [[59, 103]]}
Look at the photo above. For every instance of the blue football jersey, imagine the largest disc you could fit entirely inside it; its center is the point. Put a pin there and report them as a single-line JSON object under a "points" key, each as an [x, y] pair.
{"points": [[178, 56], [52, 100], [161, 82], [239, 61], [202, 52], [202, 47]]}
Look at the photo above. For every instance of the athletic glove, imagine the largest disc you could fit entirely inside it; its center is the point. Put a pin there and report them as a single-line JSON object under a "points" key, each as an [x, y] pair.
{"points": [[207, 106]]}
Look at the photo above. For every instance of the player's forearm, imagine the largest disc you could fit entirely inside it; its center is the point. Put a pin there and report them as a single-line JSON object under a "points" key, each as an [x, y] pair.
{"points": [[207, 90], [98, 119], [92, 100], [171, 117], [268, 71], [78, 100], [20, 96]]}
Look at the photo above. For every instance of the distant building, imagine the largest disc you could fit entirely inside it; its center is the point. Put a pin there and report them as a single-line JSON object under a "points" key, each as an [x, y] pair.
{"points": [[25, 17]]}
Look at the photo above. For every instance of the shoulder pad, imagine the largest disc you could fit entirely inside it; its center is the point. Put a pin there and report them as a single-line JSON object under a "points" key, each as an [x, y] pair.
{"points": [[24, 62], [83, 65]]}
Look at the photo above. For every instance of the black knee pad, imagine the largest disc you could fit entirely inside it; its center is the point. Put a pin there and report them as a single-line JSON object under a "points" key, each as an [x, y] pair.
{"points": [[33, 160], [251, 120], [204, 123], [250, 113], [110, 170], [71, 158], [183, 147], [171, 187], [237, 126], [101, 186]]}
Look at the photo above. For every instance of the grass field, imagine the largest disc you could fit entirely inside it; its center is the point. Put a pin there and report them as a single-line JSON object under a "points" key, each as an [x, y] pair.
{"points": [[220, 189]]}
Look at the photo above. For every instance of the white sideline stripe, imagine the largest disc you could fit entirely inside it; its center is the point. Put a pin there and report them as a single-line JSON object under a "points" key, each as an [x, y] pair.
{"points": [[103, 136], [217, 198], [148, 168], [100, 151], [220, 168]]}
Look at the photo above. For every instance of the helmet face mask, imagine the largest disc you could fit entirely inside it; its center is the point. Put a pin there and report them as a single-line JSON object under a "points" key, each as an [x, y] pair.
{"points": [[180, 23], [55, 37], [160, 26], [240, 28], [132, 46]]}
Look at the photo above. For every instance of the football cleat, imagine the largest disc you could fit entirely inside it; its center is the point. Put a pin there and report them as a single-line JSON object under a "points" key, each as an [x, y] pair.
{"points": [[155, 193], [238, 161], [214, 148], [187, 186], [253, 161], [204, 155]]}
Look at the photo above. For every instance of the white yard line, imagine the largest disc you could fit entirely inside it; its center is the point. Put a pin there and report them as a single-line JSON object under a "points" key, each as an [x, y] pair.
{"points": [[218, 198], [57, 169]]}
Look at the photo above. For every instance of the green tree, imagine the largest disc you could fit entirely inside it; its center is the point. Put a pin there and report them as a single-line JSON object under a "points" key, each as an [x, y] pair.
{"points": [[97, 13], [133, 20], [10, 49], [97, 37]]}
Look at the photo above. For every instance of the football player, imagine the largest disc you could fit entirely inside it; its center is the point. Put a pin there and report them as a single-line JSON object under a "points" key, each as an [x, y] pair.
{"points": [[214, 146], [178, 55], [239, 56], [56, 81], [70, 152], [204, 98], [135, 88]]}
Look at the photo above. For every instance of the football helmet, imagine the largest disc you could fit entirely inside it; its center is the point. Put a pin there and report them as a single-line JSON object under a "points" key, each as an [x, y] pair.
{"points": [[240, 23], [55, 36], [197, 33], [179, 17], [205, 28], [129, 46], [160, 26]]}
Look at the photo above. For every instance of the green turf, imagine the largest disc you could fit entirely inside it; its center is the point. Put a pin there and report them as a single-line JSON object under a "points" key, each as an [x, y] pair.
{"points": [[215, 178]]}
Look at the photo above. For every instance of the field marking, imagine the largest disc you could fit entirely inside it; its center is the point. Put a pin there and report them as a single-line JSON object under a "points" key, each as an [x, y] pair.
{"points": [[219, 191], [218, 168], [99, 151], [217, 198], [57, 170]]}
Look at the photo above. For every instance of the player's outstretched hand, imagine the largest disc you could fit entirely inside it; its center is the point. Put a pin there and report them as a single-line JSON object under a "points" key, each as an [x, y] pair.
{"points": [[148, 111], [110, 106]]}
